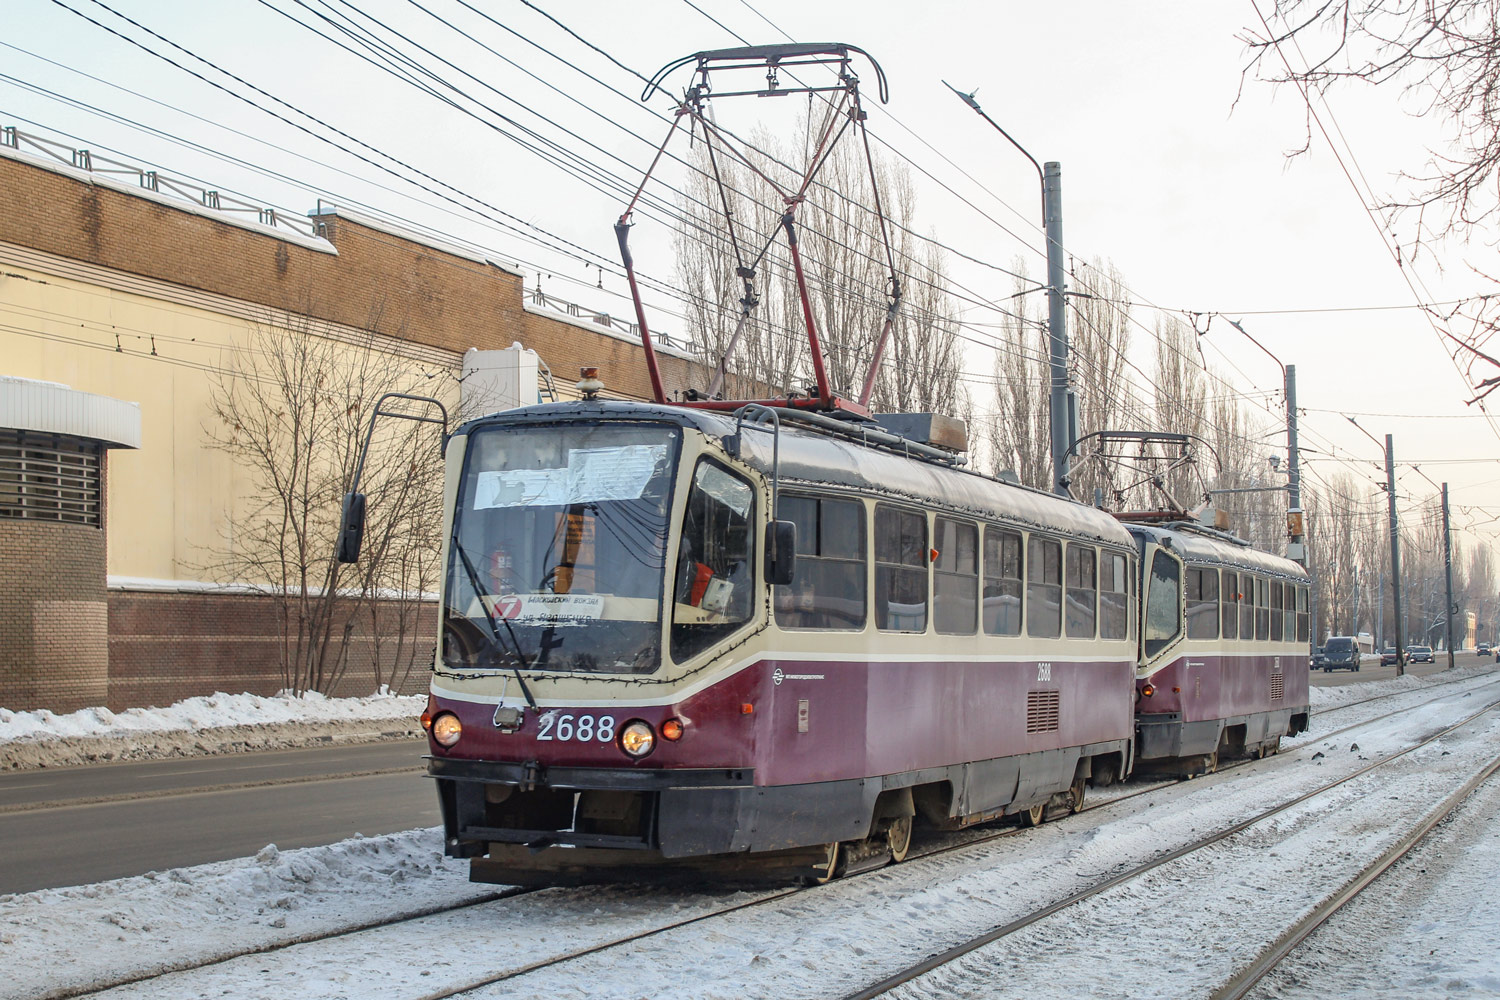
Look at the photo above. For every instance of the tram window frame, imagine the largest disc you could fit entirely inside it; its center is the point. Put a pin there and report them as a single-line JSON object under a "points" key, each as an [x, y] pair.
{"points": [[829, 562], [691, 638], [1278, 612], [955, 590], [1043, 580], [1003, 578], [911, 561], [1303, 619], [1114, 603], [1229, 604], [1202, 607], [1080, 577], [1262, 610], [1247, 607]]}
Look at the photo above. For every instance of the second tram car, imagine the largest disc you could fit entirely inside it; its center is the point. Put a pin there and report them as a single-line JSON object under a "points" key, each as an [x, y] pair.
{"points": [[1235, 679]]}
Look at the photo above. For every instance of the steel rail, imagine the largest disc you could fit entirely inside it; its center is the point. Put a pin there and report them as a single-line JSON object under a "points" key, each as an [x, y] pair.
{"points": [[1243, 981]]}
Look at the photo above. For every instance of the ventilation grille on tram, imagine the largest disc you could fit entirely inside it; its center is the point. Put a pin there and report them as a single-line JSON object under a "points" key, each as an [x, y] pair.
{"points": [[1042, 710], [1278, 687]]}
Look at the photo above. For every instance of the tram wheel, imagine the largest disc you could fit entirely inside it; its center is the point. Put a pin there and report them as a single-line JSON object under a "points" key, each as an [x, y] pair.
{"points": [[898, 837], [830, 869], [1075, 795], [1034, 815]]}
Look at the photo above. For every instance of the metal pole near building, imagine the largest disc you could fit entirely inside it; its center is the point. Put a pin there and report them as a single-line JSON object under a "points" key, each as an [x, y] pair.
{"points": [[1390, 490], [1057, 325], [1448, 573]]}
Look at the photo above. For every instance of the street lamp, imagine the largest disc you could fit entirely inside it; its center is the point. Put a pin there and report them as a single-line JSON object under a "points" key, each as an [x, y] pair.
{"points": [[1057, 332]]}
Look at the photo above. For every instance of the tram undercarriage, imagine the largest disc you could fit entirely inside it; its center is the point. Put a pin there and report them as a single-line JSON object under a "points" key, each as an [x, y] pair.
{"points": [[669, 827]]}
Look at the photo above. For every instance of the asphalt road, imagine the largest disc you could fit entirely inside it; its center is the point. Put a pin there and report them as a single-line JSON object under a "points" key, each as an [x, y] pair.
{"points": [[73, 826], [1371, 670]]}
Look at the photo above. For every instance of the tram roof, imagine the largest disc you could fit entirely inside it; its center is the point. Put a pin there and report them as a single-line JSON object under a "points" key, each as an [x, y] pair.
{"points": [[812, 456], [1200, 547]]}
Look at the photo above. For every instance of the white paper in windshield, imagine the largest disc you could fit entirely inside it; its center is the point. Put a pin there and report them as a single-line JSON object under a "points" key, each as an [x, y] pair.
{"points": [[592, 474]]}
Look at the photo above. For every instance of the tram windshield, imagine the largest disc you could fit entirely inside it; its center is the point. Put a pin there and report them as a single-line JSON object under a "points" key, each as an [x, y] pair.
{"points": [[557, 555]]}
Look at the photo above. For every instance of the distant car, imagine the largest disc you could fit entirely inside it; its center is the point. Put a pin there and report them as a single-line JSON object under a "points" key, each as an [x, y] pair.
{"points": [[1483, 649], [1340, 652], [1388, 656], [1419, 654], [1316, 661]]}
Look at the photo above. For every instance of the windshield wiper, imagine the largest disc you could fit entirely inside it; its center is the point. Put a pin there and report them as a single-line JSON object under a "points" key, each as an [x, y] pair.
{"points": [[494, 628]]}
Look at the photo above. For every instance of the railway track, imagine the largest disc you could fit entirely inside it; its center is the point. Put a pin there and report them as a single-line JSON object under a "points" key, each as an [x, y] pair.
{"points": [[699, 910], [1245, 978]]}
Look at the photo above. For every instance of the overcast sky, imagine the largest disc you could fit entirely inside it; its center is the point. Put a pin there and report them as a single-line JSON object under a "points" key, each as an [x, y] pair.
{"points": [[1187, 192]]}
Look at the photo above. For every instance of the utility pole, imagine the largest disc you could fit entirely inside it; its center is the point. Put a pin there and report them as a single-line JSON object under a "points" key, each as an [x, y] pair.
{"points": [[1448, 573], [1390, 490], [1057, 326], [1296, 549]]}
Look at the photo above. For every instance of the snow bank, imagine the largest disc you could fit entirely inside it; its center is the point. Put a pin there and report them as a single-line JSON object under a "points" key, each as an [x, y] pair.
{"points": [[216, 723], [163, 920]]}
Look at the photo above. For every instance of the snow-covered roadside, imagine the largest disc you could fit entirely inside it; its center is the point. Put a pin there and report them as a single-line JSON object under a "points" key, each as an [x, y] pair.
{"points": [[217, 723]]}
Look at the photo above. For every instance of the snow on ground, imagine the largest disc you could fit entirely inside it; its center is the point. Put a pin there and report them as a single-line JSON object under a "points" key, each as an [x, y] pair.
{"points": [[216, 723], [810, 944]]}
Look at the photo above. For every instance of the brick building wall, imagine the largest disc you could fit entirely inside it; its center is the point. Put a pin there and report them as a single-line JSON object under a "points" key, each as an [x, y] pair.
{"points": [[163, 646], [53, 649]]}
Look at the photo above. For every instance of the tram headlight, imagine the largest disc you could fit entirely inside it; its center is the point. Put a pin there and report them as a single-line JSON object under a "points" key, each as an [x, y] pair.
{"points": [[637, 738], [446, 729]]}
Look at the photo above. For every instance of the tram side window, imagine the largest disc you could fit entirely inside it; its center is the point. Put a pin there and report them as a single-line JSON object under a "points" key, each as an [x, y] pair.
{"points": [[955, 577], [900, 569], [1202, 593], [1302, 618], [1262, 610], [1002, 582], [1278, 629], [1163, 604], [1043, 588], [1114, 597], [1247, 606], [1083, 591], [828, 590], [714, 569], [1230, 605]]}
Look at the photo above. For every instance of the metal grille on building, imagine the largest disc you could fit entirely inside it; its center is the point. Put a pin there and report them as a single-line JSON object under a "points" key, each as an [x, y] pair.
{"points": [[50, 477]]}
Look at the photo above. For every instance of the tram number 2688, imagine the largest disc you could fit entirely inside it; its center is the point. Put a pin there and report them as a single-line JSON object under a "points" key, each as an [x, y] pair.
{"points": [[583, 728]]}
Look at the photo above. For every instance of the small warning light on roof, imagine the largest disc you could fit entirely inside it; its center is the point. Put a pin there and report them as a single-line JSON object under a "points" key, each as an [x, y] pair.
{"points": [[588, 382]]}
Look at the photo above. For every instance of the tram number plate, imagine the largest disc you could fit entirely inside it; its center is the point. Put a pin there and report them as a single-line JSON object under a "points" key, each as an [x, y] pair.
{"points": [[582, 728]]}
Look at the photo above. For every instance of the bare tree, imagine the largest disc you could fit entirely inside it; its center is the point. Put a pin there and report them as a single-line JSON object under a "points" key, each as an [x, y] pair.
{"points": [[1443, 56], [1019, 439], [1100, 342], [291, 410]]}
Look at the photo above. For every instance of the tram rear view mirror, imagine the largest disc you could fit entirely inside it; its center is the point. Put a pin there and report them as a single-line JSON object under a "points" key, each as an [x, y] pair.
{"points": [[781, 552], [351, 528]]}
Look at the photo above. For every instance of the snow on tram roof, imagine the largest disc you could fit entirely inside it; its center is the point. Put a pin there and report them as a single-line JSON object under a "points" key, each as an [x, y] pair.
{"points": [[1192, 544]]}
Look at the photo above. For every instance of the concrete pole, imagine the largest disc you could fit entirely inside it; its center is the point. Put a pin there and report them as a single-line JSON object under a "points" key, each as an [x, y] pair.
{"points": [[1390, 490], [1448, 573], [1057, 325]]}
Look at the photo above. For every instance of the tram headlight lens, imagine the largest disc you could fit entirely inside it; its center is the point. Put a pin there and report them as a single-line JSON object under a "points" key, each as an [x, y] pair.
{"points": [[637, 739], [446, 729]]}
